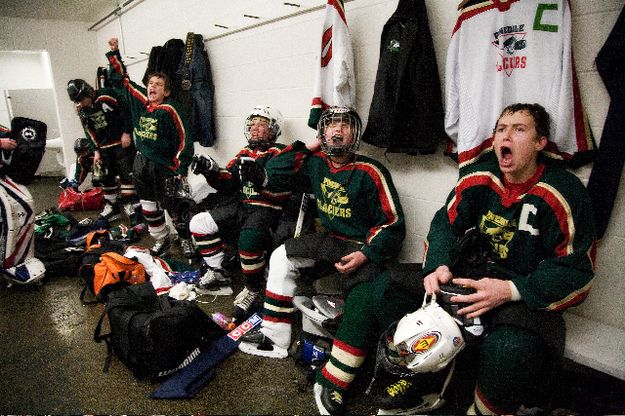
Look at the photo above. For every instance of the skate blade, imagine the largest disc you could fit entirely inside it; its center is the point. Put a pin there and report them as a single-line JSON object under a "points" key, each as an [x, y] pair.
{"points": [[273, 351], [320, 407], [219, 291], [431, 402]]}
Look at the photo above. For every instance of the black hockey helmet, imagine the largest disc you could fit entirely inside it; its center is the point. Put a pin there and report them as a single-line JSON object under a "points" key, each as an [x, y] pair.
{"points": [[81, 145], [77, 89]]}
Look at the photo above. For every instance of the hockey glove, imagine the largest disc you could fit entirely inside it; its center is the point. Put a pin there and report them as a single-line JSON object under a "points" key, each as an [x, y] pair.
{"points": [[251, 171], [472, 328], [204, 165]]}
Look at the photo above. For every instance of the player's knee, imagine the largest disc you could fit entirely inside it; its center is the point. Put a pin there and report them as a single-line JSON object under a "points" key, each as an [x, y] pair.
{"points": [[203, 223]]}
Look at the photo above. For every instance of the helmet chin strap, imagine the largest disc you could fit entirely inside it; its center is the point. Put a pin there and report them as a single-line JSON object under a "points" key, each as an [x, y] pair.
{"points": [[259, 144]]}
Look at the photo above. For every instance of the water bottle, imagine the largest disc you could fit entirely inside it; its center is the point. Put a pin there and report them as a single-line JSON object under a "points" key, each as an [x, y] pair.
{"points": [[224, 322]]}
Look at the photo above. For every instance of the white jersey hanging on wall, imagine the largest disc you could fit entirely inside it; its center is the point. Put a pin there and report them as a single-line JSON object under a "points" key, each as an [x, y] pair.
{"points": [[514, 51], [335, 83]]}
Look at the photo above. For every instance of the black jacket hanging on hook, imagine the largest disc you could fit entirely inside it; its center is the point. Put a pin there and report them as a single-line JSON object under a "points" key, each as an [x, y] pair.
{"points": [[406, 113], [606, 171], [165, 59]]}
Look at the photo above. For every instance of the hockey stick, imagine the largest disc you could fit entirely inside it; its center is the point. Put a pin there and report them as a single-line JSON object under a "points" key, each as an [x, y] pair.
{"points": [[300, 217], [187, 382]]}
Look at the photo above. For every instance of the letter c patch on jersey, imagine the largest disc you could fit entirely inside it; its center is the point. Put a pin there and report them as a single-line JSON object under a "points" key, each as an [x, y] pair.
{"points": [[526, 211]]}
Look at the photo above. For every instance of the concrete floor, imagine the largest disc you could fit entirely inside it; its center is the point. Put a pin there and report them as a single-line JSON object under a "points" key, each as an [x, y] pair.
{"points": [[51, 365]]}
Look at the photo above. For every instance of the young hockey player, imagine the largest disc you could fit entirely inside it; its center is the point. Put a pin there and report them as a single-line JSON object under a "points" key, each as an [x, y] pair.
{"points": [[242, 209], [162, 138], [107, 125], [539, 223], [83, 165], [359, 207]]}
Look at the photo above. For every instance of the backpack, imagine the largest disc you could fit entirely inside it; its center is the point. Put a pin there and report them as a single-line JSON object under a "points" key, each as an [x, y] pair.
{"points": [[154, 336]]}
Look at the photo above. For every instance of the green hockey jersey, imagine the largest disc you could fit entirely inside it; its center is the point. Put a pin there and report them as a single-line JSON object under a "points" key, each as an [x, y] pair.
{"points": [[356, 202], [541, 232]]}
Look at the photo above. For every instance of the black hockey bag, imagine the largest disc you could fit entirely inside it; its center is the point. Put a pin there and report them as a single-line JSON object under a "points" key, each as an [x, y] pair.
{"points": [[154, 336], [30, 136]]}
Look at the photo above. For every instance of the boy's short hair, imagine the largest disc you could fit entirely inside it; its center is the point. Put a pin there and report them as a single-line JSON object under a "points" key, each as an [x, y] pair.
{"points": [[536, 111], [164, 77]]}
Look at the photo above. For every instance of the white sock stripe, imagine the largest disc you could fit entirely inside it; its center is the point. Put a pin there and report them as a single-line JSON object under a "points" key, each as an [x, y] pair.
{"points": [[338, 373], [150, 206], [347, 358], [253, 267], [278, 309]]}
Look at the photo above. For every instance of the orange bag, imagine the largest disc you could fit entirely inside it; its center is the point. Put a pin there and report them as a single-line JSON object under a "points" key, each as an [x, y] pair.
{"points": [[115, 270]]}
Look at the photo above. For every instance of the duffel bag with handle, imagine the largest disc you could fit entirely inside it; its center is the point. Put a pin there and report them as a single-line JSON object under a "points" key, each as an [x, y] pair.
{"points": [[154, 336], [71, 200]]}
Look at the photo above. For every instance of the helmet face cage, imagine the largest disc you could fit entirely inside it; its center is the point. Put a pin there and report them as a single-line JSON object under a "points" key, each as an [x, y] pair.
{"points": [[339, 115], [389, 357], [274, 121], [77, 89]]}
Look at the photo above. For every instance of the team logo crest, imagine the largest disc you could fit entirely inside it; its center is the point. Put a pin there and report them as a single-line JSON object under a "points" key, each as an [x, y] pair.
{"points": [[509, 40], [99, 120], [149, 124], [426, 342], [28, 133], [499, 230], [393, 46], [335, 200], [148, 128]]}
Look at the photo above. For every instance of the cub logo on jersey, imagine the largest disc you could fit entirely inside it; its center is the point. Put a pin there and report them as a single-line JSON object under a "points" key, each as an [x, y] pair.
{"points": [[509, 40], [499, 230]]}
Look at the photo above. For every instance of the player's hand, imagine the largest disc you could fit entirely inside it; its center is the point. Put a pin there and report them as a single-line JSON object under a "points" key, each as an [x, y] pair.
{"points": [[126, 140], [489, 294], [97, 158], [251, 171], [314, 145], [7, 144], [204, 165], [113, 44], [441, 276], [351, 262]]}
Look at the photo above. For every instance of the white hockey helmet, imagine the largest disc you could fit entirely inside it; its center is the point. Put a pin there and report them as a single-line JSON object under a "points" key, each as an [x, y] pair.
{"points": [[426, 340], [274, 120], [335, 145]]}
